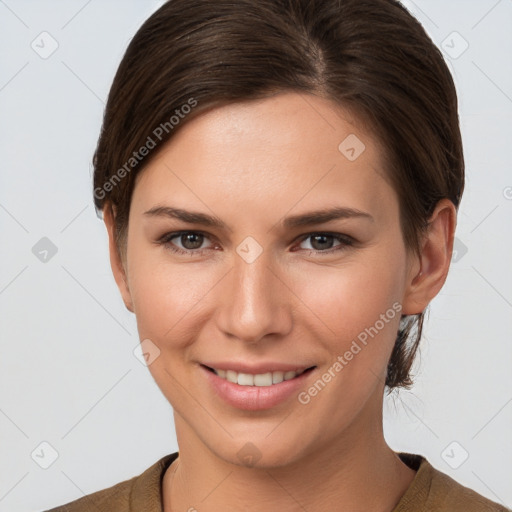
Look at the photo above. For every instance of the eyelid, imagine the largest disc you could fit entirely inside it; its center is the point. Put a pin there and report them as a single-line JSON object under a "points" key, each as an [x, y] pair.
{"points": [[173, 234], [341, 236]]}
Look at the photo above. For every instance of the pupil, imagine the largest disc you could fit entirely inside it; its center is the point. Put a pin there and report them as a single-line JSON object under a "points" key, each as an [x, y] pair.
{"points": [[191, 240], [323, 241]]}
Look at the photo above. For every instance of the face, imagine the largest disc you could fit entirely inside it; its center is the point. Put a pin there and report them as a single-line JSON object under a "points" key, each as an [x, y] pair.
{"points": [[264, 244]]}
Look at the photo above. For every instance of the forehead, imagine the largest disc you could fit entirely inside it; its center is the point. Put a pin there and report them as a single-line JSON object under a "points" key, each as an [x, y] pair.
{"points": [[289, 149]]}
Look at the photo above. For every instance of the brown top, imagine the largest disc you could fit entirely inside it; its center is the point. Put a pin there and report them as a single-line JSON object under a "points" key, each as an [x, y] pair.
{"points": [[430, 491]]}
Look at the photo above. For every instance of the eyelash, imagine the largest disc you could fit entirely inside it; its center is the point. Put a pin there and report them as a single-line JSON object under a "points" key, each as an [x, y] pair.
{"points": [[165, 240]]}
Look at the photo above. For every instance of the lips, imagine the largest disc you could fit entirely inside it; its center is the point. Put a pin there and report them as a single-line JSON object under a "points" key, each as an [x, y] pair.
{"points": [[255, 387]]}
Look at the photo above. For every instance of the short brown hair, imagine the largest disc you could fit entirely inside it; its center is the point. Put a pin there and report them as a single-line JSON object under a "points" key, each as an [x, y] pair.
{"points": [[372, 57]]}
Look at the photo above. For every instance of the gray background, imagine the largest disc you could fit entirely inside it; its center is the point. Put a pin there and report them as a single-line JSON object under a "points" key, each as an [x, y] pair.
{"points": [[68, 375]]}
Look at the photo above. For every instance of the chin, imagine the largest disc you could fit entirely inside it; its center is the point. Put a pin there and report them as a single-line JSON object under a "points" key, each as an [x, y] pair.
{"points": [[261, 452]]}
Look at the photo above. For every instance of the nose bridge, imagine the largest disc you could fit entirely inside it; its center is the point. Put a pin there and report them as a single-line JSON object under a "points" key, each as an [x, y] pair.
{"points": [[255, 305]]}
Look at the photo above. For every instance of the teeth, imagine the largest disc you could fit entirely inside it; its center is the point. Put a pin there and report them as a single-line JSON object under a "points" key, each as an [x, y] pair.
{"points": [[245, 379], [261, 379], [231, 376], [277, 377]]}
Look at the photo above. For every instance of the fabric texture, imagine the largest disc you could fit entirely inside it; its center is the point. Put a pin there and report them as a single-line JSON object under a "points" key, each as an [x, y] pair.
{"points": [[430, 491]]}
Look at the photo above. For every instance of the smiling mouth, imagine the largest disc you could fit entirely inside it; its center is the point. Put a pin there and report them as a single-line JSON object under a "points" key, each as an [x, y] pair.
{"points": [[261, 379]]}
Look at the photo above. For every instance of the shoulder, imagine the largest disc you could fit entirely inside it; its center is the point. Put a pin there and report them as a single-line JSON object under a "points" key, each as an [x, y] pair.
{"points": [[115, 499], [123, 496], [434, 491], [455, 496]]}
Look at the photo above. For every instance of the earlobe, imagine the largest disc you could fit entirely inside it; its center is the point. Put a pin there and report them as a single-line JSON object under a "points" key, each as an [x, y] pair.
{"points": [[429, 273], [116, 263]]}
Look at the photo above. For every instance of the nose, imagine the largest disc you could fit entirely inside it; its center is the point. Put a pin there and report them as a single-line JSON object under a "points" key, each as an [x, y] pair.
{"points": [[255, 302]]}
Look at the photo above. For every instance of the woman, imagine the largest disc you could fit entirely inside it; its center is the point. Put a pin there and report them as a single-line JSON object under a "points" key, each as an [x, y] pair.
{"points": [[279, 181]]}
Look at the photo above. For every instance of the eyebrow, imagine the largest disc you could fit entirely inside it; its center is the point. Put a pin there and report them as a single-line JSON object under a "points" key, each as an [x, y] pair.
{"points": [[324, 215], [294, 221], [186, 216]]}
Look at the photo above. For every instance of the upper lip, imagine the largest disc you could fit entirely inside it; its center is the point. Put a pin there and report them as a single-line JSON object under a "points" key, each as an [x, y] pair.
{"points": [[256, 369]]}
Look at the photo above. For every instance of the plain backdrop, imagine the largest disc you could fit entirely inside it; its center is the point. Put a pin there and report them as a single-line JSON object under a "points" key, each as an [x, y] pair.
{"points": [[68, 375]]}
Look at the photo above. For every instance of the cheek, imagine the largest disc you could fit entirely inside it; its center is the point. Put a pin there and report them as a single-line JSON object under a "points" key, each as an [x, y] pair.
{"points": [[353, 296], [361, 306], [166, 296]]}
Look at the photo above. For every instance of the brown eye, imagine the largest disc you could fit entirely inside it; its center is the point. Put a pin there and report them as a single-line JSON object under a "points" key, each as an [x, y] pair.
{"points": [[185, 242], [321, 242], [327, 242], [191, 240]]}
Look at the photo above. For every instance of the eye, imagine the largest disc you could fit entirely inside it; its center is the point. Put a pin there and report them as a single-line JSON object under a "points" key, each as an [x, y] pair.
{"points": [[184, 242], [192, 242], [324, 242]]}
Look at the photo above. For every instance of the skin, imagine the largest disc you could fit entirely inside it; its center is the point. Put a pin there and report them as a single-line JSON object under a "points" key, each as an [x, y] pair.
{"points": [[251, 164]]}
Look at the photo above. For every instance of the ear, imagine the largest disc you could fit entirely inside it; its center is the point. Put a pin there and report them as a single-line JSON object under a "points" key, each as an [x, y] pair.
{"points": [[429, 269], [116, 262]]}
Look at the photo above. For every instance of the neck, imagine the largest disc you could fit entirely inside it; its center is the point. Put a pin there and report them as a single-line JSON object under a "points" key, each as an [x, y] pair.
{"points": [[355, 472]]}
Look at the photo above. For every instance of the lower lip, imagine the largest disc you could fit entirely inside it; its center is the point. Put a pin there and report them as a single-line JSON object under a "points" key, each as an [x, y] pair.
{"points": [[255, 398]]}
